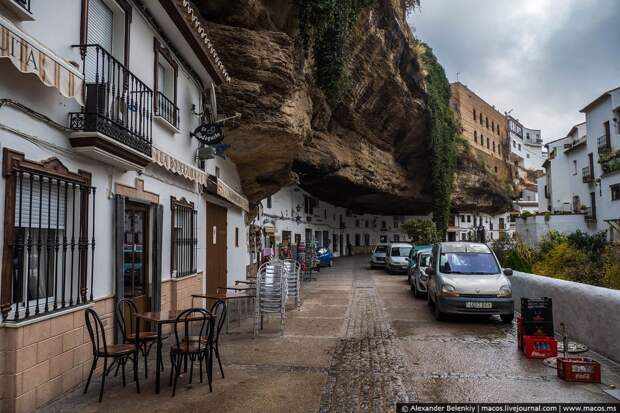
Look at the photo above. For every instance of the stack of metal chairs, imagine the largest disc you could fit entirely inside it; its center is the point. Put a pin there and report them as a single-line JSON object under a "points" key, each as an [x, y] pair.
{"points": [[271, 293], [293, 274]]}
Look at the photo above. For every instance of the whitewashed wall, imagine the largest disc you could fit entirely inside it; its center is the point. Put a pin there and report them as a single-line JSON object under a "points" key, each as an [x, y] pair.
{"points": [[590, 313]]}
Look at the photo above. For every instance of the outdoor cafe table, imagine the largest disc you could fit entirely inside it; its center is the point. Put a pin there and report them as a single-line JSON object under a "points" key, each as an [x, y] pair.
{"points": [[159, 318], [228, 296]]}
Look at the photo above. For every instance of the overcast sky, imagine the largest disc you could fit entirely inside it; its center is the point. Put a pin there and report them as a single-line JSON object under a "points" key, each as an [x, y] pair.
{"points": [[544, 59]]}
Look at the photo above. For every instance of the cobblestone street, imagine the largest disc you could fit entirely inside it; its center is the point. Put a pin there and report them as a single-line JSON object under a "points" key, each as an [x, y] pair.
{"points": [[360, 342]]}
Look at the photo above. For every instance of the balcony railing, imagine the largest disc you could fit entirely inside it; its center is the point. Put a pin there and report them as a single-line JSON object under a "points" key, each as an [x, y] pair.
{"points": [[589, 214], [118, 104], [587, 175], [24, 4], [166, 109], [604, 144]]}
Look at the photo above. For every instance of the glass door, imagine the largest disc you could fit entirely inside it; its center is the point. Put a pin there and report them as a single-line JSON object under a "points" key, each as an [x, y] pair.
{"points": [[135, 253]]}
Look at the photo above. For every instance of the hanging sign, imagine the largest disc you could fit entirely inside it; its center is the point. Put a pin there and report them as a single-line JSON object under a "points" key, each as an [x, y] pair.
{"points": [[209, 133]]}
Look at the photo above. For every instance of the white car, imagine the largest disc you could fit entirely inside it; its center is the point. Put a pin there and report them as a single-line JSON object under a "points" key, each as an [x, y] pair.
{"points": [[466, 278], [397, 257], [377, 258]]}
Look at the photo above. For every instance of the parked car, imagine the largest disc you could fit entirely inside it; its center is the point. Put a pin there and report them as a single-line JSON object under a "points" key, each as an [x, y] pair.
{"points": [[418, 263], [412, 258], [326, 257], [466, 278], [397, 257], [377, 258]]}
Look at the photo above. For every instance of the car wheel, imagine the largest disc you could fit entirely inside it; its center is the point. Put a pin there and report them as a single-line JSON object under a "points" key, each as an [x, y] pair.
{"points": [[439, 316], [507, 318]]}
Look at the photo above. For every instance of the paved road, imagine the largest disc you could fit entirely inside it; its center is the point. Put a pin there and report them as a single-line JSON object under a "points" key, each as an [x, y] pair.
{"points": [[360, 342]]}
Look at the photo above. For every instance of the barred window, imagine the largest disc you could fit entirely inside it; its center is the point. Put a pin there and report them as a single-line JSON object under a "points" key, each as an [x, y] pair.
{"points": [[49, 245], [184, 242]]}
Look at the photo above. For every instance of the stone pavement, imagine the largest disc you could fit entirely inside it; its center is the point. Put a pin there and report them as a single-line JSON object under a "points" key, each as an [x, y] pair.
{"points": [[360, 342]]}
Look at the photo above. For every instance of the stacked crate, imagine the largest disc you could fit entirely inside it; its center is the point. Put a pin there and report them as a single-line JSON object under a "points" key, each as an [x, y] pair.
{"points": [[535, 328]]}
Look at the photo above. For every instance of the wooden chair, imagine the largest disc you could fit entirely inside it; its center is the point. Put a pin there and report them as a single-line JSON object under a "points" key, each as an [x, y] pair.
{"points": [[190, 348], [147, 338], [219, 311], [119, 353]]}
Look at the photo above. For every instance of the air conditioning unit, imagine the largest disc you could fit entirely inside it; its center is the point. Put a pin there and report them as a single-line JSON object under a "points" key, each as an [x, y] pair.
{"points": [[204, 153]]}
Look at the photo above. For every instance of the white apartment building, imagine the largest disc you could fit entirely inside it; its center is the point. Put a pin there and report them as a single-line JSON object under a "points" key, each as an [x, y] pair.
{"points": [[471, 226], [292, 215], [103, 196], [583, 172], [526, 154]]}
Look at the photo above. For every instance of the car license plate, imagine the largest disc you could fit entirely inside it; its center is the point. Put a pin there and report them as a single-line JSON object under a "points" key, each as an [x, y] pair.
{"points": [[478, 304]]}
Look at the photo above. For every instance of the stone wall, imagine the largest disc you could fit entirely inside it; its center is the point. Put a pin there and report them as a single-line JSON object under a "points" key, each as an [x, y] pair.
{"points": [[46, 358], [590, 313]]}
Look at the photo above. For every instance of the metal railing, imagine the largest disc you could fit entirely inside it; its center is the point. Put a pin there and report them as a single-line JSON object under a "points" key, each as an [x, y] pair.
{"points": [[166, 109], [118, 103], [24, 4], [184, 240], [586, 174], [589, 214], [53, 246], [603, 143]]}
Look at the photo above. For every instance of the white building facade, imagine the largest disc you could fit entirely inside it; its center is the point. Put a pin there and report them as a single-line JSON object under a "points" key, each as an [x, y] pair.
{"points": [[582, 176], [102, 193], [292, 216]]}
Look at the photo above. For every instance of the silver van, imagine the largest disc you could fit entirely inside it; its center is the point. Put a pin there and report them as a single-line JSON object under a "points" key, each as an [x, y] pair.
{"points": [[397, 257], [466, 278]]}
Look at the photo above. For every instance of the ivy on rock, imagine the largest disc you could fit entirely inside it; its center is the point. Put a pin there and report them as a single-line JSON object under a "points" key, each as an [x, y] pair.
{"points": [[443, 130]]}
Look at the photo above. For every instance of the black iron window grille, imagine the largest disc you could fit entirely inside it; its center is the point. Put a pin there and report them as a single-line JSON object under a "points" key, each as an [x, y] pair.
{"points": [[118, 103], [184, 239], [49, 245]]}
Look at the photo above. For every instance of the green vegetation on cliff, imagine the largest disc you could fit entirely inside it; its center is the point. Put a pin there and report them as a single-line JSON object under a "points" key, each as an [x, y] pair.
{"points": [[443, 135]]}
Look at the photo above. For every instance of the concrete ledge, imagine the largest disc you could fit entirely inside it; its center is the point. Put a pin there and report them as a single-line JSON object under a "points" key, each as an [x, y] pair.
{"points": [[591, 314]]}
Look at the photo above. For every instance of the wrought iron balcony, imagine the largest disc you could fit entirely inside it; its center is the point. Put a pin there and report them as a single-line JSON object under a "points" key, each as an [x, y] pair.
{"points": [[119, 106], [604, 144], [587, 174], [589, 214], [24, 4], [166, 109]]}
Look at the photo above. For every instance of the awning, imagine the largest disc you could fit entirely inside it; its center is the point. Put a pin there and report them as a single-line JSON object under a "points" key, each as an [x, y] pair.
{"points": [[29, 56], [212, 183]]}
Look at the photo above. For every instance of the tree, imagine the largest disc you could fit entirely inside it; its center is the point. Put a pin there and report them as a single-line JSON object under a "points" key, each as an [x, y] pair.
{"points": [[420, 231]]}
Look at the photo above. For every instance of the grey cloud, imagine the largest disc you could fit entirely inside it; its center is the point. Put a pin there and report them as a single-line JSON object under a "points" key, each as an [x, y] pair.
{"points": [[545, 66]]}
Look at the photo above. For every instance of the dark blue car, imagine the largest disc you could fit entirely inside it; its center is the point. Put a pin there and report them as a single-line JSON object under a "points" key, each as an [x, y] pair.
{"points": [[325, 256]]}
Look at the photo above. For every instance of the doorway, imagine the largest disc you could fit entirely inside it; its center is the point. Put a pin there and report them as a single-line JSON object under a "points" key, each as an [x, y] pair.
{"points": [[217, 265], [135, 256]]}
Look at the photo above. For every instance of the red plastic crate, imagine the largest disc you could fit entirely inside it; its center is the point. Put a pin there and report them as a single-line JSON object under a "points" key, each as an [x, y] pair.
{"points": [[579, 369], [539, 347]]}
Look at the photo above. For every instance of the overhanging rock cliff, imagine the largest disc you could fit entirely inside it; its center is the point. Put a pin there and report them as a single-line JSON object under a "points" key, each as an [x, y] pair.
{"points": [[370, 151]]}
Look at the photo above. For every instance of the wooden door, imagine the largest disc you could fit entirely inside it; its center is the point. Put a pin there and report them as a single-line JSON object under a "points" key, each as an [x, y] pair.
{"points": [[217, 257], [135, 256]]}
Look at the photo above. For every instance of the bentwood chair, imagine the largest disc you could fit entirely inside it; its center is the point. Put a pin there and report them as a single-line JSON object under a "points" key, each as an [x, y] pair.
{"points": [[147, 338], [119, 353], [187, 348], [218, 310]]}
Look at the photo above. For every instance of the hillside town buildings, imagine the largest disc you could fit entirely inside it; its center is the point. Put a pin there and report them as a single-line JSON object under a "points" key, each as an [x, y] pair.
{"points": [[106, 192], [581, 185], [292, 215]]}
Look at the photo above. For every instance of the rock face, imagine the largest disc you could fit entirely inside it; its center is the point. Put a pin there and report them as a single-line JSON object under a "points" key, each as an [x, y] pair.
{"points": [[476, 189], [370, 152]]}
